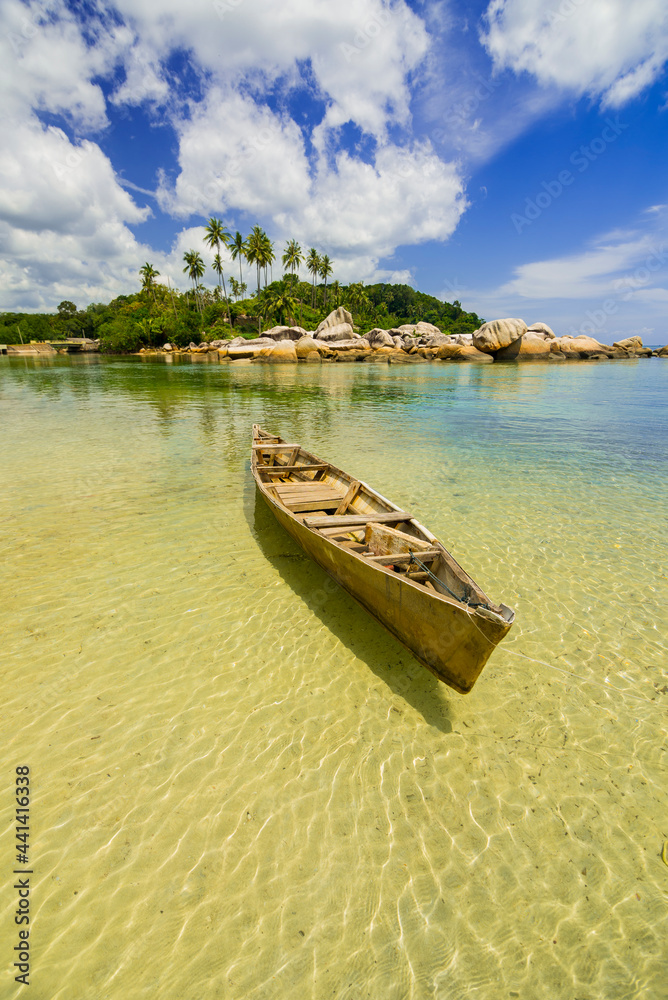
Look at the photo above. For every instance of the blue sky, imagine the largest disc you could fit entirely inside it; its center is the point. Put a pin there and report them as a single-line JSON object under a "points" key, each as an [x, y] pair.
{"points": [[510, 154]]}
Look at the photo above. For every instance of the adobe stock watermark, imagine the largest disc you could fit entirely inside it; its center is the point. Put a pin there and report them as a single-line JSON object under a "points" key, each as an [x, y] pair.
{"points": [[225, 7], [460, 113], [455, 289], [565, 9], [75, 157], [582, 158], [29, 26], [365, 35], [625, 288], [79, 154], [409, 168], [640, 278]]}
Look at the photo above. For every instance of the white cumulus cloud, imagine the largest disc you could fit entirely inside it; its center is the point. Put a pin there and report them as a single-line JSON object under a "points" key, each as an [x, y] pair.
{"points": [[66, 219], [234, 153], [359, 52], [612, 49], [600, 290]]}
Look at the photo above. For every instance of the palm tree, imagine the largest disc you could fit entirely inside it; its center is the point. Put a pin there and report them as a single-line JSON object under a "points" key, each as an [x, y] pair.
{"points": [[195, 270], [357, 297], [335, 289], [215, 234], [254, 252], [218, 268], [268, 255], [280, 304], [148, 275], [324, 271], [293, 256], [234, 287], [313, 266], [238, 249], [381, 313]]}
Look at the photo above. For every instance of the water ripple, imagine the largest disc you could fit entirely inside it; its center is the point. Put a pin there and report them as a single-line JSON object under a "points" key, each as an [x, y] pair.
{"points": [[243, 787]]}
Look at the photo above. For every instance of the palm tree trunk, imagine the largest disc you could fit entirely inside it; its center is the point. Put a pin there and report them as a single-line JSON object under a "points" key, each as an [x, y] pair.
{"points": [[172, 297], [229, 315]]}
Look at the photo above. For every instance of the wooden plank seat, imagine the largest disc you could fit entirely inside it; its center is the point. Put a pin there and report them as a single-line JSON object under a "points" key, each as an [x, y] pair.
{"points": [[300, 497], [286, 470], [350, 520], [273, 446]]}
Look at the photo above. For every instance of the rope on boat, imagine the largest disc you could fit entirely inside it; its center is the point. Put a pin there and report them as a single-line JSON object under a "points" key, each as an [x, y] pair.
{"points": [[435, 579]]}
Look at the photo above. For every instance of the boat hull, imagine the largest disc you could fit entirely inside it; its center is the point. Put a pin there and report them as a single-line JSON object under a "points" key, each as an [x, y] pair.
{"points": [[453, 641]]}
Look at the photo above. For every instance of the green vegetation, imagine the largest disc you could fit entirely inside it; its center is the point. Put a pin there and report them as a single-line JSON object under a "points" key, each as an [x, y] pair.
{"points": [[158, 313]]}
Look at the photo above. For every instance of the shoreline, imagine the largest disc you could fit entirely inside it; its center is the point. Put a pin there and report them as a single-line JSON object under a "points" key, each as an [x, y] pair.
{"points": [[335, 339]]}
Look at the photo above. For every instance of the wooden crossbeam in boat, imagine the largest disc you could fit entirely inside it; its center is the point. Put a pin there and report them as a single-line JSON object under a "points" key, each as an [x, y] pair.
{"points": [[285, 470], [304, 506], [308, 487], [306, 493], [274, 446], [398, 558], [344, 533], [352, 492], [313, 498], [348, 520], [348, 543]]}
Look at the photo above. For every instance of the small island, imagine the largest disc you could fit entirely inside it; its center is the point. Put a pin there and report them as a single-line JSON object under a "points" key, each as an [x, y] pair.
{"points": [[289, 320]]}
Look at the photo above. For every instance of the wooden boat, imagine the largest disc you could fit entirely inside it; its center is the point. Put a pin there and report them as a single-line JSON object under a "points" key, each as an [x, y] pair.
{"points": [[392, 565]]}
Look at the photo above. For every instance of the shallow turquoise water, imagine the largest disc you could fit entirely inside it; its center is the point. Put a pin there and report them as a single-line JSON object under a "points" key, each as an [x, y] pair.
{"points": [[243, 785]]}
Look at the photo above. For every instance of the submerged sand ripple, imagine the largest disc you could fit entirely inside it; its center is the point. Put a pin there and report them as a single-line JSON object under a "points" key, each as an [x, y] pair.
{"points": [[244, 787]]}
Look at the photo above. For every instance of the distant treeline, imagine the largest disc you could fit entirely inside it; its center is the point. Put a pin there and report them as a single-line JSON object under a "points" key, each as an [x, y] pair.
{"points": [[158, 313]]}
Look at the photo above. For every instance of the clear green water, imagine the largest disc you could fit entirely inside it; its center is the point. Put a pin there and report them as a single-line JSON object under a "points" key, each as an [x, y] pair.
{"points": [[243, 787]]}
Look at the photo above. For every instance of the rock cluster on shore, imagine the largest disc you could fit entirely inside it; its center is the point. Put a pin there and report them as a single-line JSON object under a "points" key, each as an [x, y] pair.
{"points": [[336, 340]]}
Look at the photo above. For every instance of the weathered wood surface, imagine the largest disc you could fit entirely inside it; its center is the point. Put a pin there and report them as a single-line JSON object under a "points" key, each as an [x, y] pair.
{"points": [[403, 558], [301, 496], [352, 492], [357, 532], [307, 489], [452, 639], [311, 506], [285, 470], [383, 540], [275, 446], [345, 520]]}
